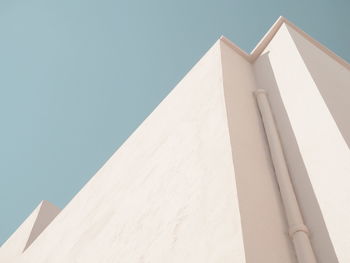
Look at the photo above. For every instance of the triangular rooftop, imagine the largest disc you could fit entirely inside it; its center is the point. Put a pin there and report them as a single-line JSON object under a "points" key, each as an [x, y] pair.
{"points": [[260, 47], [194, 183]]}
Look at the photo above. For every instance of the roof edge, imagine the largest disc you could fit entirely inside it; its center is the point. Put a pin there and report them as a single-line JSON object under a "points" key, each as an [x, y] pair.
{"points": [[236, 48], [322, 47], [266, 39]]}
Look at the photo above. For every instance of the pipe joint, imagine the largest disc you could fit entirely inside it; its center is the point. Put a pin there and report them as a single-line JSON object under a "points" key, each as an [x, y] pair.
{"points": [[298, 228]]}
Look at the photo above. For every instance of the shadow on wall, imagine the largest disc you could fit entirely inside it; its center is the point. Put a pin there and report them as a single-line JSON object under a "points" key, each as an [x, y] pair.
{"points": [[309, 206], [263, 225], [332, 80]]}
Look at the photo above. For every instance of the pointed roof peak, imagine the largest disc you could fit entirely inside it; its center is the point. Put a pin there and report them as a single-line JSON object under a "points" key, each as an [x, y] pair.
{"points": [[266, 39], [29, 230], [45, 203], [46, 214], [252, 56]]}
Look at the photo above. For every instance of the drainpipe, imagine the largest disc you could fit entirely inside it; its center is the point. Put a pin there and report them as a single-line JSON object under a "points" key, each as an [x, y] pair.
{"points": [[298, 232]]}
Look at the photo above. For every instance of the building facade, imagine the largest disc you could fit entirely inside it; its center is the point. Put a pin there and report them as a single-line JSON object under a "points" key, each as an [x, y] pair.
{"points": [[246, 160]]}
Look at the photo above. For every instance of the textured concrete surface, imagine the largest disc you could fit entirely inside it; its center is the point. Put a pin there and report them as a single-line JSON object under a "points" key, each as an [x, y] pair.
{"points": [[258, 194], [321, 140], [167, 195], [195, 182]]}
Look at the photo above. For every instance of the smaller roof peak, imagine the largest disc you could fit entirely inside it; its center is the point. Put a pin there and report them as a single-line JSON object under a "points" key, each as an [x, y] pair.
{"points": [[266, 39], [261, 44]]}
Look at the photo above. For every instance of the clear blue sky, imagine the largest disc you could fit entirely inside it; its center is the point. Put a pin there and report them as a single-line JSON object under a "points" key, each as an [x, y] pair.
{"points": [[78, 76]]}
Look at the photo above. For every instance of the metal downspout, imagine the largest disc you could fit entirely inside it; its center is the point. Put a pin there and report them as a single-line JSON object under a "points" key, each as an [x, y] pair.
{"points": [[297, 230]]}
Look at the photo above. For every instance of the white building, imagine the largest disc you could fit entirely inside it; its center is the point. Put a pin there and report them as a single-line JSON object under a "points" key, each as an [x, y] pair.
{"points": [[246, 160]]}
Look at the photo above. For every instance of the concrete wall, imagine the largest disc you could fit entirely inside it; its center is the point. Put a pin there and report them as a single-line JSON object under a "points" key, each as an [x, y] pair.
{"points": [[332, 80], [195, 182], [265, 232], [326, 150], [167, 195], [317, 154]]}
